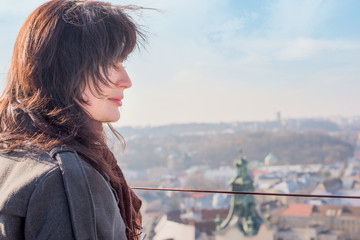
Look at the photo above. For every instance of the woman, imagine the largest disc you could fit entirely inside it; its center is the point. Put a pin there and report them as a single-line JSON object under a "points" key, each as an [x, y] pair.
{"points": [[58, 178]]}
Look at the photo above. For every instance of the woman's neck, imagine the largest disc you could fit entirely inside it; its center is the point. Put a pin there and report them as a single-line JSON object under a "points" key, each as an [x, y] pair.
{"points": [[97, 127]]}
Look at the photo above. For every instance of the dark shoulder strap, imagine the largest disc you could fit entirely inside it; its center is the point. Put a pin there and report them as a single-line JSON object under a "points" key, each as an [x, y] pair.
{"points": [[78, 193]]}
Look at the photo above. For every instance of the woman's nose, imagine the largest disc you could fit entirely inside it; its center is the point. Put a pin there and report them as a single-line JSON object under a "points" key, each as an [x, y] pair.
{"points": [[124, 81]]}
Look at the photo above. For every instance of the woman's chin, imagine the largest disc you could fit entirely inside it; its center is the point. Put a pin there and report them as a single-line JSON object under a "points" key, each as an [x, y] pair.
{"points": [[113, 118]]}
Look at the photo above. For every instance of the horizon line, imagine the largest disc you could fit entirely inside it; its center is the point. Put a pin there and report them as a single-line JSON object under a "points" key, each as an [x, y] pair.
{"points": [[118, 124]]}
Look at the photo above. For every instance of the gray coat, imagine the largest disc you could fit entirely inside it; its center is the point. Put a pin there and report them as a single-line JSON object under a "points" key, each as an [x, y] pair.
{"points": [[56, 195]]}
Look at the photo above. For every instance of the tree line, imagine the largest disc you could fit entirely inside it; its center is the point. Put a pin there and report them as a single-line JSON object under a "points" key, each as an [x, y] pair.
{"points": [[221, 149]]}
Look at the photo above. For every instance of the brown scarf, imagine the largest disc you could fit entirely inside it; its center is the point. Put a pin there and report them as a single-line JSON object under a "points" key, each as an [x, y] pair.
{"points": [[129, 203]]}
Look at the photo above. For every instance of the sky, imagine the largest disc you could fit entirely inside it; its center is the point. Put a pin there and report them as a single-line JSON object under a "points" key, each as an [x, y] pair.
{"points": [[229, 60]]}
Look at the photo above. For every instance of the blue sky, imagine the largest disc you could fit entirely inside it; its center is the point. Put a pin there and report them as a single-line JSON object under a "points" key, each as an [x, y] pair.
{"points": [[229, 60]]}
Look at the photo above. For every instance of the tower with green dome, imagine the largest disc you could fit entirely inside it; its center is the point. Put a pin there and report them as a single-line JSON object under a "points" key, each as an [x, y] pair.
{"points": [[242, 212]]}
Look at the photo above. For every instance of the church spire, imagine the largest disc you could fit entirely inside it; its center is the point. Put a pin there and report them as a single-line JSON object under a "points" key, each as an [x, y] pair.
{"points": [[242, 212]]}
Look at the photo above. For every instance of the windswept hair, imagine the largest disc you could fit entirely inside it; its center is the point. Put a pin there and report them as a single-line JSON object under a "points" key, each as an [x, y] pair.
{"points": [[63, 47]]}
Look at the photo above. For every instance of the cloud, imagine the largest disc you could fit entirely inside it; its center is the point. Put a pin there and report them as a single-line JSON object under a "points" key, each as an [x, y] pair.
{"points": [[306, 48], [292, 18], [233, 25], [229, 28], [300, 49]]}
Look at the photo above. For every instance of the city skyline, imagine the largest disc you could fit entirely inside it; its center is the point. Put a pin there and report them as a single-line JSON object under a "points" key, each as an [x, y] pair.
{"points": [[225, 61]]}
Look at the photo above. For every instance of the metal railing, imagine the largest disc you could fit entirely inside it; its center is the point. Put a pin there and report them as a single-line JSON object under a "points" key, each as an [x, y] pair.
{"points": [[245, 193]]}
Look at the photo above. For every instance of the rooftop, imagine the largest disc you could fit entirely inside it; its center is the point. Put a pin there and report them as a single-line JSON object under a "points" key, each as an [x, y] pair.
{"points": [[298, 210]]}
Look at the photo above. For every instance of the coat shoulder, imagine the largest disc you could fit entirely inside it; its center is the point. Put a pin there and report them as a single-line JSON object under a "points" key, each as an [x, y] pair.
{"points": [[20, 173]]}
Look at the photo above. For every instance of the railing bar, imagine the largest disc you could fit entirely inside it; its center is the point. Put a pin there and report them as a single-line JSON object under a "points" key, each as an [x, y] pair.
{"points": [[250, 193]]}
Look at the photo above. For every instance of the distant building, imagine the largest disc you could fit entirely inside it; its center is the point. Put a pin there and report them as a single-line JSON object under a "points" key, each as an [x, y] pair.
{"points": [[287, 187], [270, 159], [196, 225], [342, 220], [330, 185], [201, 223], [198, 201], [167, 229], [278, 117], [243, 219], [221, 201], [309, 233]]}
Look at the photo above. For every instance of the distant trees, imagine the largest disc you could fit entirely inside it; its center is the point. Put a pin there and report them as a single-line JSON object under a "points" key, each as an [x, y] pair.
{"points": [[220, 149], [298, 148]]}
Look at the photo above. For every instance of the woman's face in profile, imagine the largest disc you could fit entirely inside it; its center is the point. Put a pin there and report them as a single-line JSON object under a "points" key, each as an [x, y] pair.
{"points": [[106, 108]]}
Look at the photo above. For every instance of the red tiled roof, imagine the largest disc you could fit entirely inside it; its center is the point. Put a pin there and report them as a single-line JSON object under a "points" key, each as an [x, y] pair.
{"points": [[199, 195], [257, 172], [298, 210]]}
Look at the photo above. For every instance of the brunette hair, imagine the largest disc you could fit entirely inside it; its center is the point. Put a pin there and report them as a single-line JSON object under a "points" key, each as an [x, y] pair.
{"points": [[63, 47]]}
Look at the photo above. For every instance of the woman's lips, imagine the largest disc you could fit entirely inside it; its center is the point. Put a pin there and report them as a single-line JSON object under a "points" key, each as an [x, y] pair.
{"points": [[117, 101]]}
